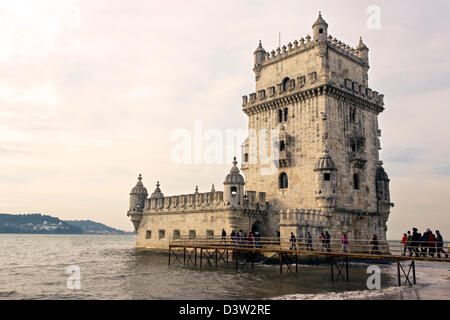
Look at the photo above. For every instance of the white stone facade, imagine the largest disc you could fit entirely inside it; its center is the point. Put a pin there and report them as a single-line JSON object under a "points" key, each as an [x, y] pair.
{"points": [[314, 96]]}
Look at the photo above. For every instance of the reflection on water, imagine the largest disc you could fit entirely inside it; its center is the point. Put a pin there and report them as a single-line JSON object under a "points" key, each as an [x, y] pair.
{"points": [[34, 267]]}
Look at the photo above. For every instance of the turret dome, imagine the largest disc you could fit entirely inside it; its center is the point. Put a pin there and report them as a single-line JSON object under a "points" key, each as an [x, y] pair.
{"points": [[157, 194], [381, 174], [325, 162], [234, 177], [139, 188], [320, 21]]}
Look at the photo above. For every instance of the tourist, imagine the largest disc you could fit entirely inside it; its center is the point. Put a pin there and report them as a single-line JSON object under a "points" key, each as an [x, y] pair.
{"points": [[328, 237], [257, 239], [431, 243], [404, 240], [293, 242], [424, 242], [324, 241], [440, 245], [374, 244], [416, 237], [233, 236], [345, 245], [409, 243], [252, 240], [224, 236], [309, 241]]}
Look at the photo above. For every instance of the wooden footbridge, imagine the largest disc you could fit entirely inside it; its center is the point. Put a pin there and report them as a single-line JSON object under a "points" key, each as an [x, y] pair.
{"points": [[241, 253]]}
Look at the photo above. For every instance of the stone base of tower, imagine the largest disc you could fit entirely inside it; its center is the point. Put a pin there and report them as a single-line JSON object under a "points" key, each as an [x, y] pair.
{"points": [[357, 225]]}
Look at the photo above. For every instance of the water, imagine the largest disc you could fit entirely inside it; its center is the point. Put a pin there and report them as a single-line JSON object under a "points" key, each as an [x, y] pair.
{"points": [[34, 267]]}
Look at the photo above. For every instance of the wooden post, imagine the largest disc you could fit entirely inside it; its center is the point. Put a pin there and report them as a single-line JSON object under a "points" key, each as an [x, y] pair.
{"points": [[296, 263], [237, 259], [281, 263], [169, 254], [195, 258], [216, 258], [184, 256], [346, 267], [332, 271], [253, 253], [201, 258], [398, 273], [227, 256], [414, 271]]}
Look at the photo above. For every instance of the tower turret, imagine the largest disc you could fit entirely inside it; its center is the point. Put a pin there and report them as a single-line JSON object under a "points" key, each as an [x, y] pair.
{"points": [[325, 169], [234, 187], [138, 196], [260, 56], [363, 51], [320, 29]]}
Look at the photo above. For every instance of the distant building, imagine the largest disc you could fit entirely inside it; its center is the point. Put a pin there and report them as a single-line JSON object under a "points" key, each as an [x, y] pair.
{"points": [[315, 93]]}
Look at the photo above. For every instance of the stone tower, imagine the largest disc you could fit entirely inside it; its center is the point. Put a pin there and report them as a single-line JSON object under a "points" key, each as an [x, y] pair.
{"points": [[314, 104]]}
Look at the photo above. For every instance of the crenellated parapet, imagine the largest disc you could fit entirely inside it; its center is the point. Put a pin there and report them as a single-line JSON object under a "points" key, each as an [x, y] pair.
{"points": [[303, 217], [346, 50], [182, 203]]}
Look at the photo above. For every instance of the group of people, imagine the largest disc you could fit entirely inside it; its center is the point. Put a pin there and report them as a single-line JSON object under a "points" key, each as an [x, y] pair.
{"points": [[243, 239], [325, 238], [423, 244]]}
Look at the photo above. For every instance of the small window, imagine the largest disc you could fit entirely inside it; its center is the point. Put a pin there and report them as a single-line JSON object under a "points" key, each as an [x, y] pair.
{"points": [[285, 83], [280, 115], [192, 234], [148, 234], [326, 176], [283, 181], [176, 234], [286, 114], [356, 181], [282, 146], [162, 234], [209, 234], [233, 191], [320, 30], [246, 157]]}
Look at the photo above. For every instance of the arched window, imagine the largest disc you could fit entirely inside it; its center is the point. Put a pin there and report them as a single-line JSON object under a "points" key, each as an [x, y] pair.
{"points": [[233, 191], [285, 84], [282, 145], [285, 114], [280, 115], [283, 181]]}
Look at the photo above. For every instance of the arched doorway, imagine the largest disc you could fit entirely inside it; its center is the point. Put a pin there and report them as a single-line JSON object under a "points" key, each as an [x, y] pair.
{"points": [[257, 227]]}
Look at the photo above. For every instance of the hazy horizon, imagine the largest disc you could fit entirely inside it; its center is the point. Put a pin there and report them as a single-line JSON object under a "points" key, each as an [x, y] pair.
{"points": [[92, 92]]}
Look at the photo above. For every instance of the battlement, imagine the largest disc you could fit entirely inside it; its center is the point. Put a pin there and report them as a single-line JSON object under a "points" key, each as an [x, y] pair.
{"points": [[207, 201], [195, 201]]}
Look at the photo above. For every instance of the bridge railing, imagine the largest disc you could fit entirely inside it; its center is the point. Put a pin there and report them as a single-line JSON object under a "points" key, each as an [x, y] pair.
{"points": [[334, 245]]}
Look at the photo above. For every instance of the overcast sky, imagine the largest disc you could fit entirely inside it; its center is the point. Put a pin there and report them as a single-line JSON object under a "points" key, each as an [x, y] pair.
{"points": [[92, 91]]}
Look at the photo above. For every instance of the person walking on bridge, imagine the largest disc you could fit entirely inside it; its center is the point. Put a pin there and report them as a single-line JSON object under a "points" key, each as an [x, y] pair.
{"points": [[328, 237], [374, 244], [309, 241], [440, 245], [416, 237], [409, 244], [431, 243], [345, 245], [404, 241], [224, 236], [293, 242]]}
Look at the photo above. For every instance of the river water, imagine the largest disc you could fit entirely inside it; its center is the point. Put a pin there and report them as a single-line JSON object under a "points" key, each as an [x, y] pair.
{"points": [[108, 267]]}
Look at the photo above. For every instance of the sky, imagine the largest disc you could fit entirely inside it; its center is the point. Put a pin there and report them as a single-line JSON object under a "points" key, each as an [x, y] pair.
{"points": [[92, 93]]}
